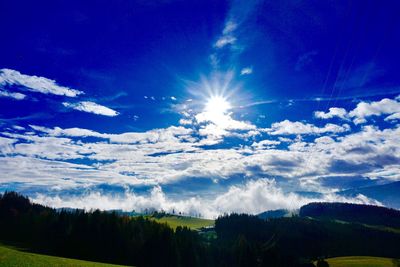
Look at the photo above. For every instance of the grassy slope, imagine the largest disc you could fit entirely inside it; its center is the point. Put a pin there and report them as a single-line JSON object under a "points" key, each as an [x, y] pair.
{"points": [[10, 257], [361, 262], [191, 222]]}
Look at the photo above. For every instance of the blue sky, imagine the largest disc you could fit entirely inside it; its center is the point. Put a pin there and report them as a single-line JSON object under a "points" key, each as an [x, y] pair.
{"points": [[199, 106]]}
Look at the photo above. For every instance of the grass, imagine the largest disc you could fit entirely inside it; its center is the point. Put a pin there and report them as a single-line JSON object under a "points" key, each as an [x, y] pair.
{"points": [[362, 261], [193, 223], [11, 257]]}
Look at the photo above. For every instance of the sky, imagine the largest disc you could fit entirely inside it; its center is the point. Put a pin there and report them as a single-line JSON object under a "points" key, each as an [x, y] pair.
{"points": [[202, 107]]}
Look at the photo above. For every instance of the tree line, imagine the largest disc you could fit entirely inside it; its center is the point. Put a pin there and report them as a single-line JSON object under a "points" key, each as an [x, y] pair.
{"points": [[239, 240]]}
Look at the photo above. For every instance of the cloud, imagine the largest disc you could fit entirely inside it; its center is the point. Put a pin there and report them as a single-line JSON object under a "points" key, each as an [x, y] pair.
{"points": [[253, 197], [91, 107], [376, 108], [35, 83], [169, 134], [225, 40], [246, 71], [60, 159], [333, 112], [17, 96], [287, 127], [394, 116], [365, 110], [265, 144], [227, 37]]}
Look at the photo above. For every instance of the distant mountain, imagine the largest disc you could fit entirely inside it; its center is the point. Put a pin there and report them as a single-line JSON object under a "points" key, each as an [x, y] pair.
{"points": [[357, 213], [276, 214], [387, 194]]}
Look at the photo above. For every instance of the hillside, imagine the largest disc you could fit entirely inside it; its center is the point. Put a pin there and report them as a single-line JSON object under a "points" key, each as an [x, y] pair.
{"points": [[363, 262], [10, 257], [365, 214], [184, 221], [237, 239], [275, 214]]}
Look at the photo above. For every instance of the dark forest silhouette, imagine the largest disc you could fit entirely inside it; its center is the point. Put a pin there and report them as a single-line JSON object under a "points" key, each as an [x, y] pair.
{"points": [[239, 239]]}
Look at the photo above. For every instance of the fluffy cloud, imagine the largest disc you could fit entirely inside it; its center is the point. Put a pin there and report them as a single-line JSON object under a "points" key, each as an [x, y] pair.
{"points": [[377, 108], [287, 127], [58, 160], [333, 112], [253, 197], [91, 107], [35, 83], [364, 110], [169, 134]]}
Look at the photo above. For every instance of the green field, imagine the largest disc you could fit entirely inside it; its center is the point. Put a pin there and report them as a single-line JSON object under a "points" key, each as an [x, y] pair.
{"points": [[10, 257], [362, 262], [191, 222]]}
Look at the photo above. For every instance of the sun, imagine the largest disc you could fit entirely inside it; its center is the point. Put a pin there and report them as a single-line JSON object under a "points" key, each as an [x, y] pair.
{"points": [[217, 105]]}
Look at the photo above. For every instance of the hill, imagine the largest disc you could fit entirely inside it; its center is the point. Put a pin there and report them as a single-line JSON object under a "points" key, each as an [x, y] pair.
{"points": [[184, 221], [238, 239], [362, 262], [387, 194], [357, 213], [10, 257], [275, 214]]}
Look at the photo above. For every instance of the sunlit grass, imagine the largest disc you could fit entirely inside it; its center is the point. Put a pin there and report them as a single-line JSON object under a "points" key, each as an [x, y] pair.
{"points": [[10, 257], [362, 262], [190, 222]]}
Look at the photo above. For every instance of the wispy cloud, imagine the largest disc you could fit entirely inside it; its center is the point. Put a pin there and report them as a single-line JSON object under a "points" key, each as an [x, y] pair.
{"points": [[91, 107], [35, 83], [17, 96], [246, 71]]}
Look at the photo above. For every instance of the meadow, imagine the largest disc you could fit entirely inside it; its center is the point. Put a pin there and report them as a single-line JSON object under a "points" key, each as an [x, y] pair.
{"points": [[191, 222], [11, 257], [362, 262]]}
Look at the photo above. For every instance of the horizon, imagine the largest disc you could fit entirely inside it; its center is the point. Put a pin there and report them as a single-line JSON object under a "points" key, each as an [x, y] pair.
{"points": [[207, 107]]}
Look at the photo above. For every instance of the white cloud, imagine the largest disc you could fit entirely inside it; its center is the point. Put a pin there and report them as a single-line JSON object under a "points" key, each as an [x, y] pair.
{"points": [[394, 116], [377, 108], [91, 107], [287, 127], [17, 96], [230, 26], [333, 112], [35, 83], [221, 124], [227, 37], [225, 40], [265, 144], [253, 197], [169, 134], [171, 155], [246, 71], [173, 98], [185, 122]]}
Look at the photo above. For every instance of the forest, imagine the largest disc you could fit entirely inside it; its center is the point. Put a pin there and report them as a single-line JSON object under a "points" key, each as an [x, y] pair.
{"points": [[237, 240]]}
